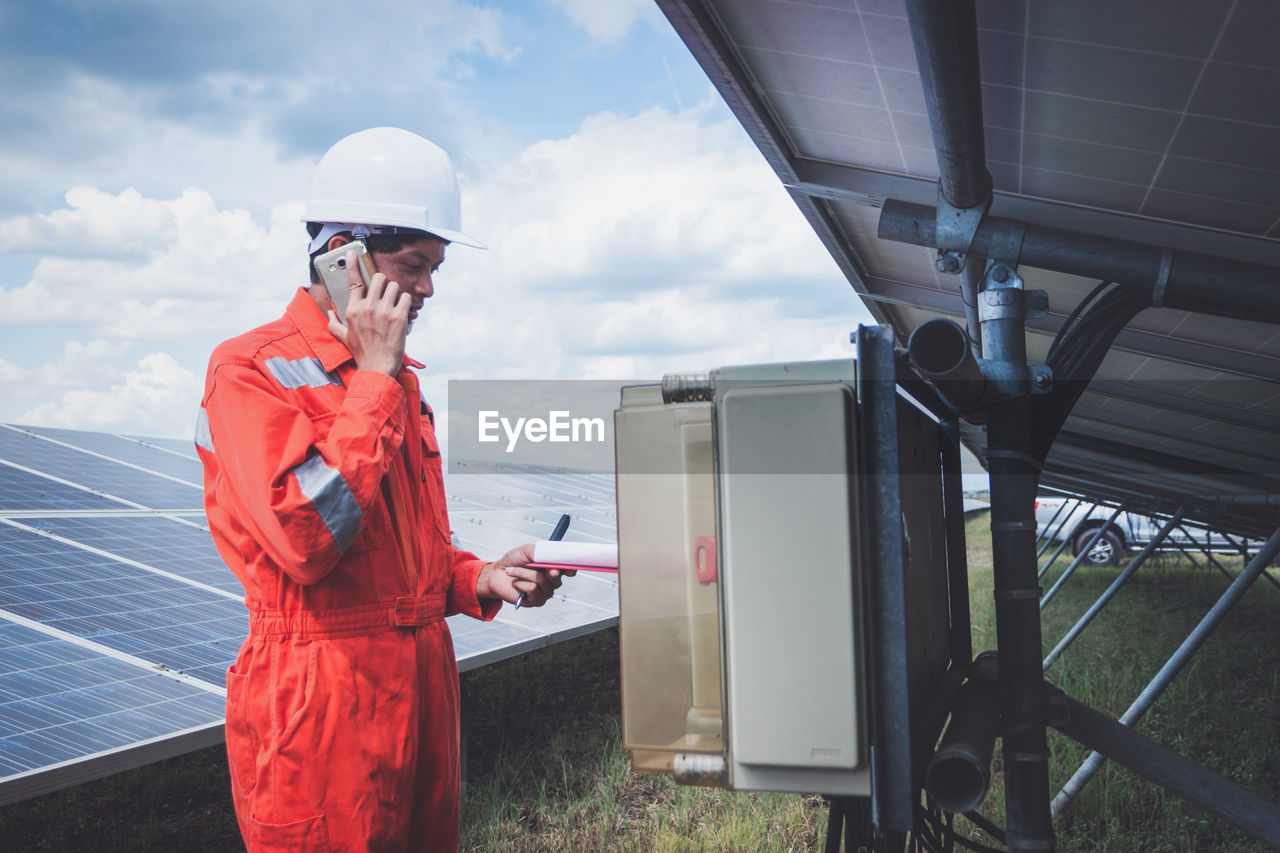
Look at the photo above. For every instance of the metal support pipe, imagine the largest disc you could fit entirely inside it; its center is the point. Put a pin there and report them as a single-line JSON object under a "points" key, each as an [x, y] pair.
{"points": [[1185, 280], [957, 555], [945, 35], [878, 398], [1244, 553], [1216, 794], [1025, 745], [970, 279], [1205, 552], [959, 772], [939, 351], [1080, 558], [1049, 535], [1014, 474], [1048, 528], [1111, 591], [1175, 663], [1053, 558]]}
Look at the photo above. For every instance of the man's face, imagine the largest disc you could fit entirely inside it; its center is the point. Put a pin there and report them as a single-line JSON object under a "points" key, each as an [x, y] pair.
{"points": [[412, 267]]}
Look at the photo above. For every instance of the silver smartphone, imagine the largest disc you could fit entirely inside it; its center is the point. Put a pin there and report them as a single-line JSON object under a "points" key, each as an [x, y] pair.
{"points": [[332, 268]]}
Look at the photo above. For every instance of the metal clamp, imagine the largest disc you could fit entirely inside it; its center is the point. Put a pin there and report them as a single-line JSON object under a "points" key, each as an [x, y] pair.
{"points": [[954, 231]]}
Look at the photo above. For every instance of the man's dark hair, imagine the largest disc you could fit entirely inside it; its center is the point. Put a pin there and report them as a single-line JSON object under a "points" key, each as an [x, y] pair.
{"points": [[381, 243]]}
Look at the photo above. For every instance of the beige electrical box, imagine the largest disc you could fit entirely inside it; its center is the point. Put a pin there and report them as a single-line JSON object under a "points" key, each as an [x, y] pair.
{"points": [[740, 583]]}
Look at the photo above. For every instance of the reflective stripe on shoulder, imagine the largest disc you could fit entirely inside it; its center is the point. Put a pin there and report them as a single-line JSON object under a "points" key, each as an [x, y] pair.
{"points": [[332, 499], [300, 372], [203, 439]]}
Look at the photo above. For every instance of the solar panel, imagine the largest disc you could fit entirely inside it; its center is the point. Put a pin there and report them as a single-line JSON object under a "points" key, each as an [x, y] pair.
{"points": [[111, 478], [180, 446], [153, 458], [117, 622], [24, 491], [66, 702], [118, 605], [1099, 118], [162, 543]]}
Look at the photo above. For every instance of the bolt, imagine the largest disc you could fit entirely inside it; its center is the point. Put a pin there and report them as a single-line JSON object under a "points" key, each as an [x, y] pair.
{"points": [[1000, 273], [947, 263], [1040, 380]]}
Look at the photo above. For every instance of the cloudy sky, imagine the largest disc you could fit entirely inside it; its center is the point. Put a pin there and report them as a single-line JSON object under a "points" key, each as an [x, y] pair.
{"points": [[155, 156]]}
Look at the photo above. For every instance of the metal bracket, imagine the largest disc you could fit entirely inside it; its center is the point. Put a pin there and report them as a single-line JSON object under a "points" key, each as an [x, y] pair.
{"points": [[955, 229], [1003, 298]]}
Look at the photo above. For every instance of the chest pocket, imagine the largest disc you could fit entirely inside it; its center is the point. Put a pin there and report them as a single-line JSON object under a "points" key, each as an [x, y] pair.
{"points": [[433, 476]]}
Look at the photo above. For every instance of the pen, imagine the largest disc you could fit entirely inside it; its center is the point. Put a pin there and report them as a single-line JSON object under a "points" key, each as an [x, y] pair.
{"points": [[556, 535]]}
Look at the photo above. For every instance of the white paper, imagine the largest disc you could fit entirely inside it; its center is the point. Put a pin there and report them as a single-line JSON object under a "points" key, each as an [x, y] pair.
{"points": [[575, 553]]}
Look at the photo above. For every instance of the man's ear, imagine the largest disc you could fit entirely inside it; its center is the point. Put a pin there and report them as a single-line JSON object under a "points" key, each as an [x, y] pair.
{"points": [[335, 241]]}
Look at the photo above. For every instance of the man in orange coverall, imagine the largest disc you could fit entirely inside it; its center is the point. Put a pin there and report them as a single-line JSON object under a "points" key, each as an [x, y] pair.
{"points": [[324, 493]]}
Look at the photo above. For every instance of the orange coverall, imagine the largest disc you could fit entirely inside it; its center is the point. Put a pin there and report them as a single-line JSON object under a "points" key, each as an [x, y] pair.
{"points": [[324, 494]]}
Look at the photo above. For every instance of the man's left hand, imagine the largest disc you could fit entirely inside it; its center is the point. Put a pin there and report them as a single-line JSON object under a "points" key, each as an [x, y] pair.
{"points": [[508, 577]]}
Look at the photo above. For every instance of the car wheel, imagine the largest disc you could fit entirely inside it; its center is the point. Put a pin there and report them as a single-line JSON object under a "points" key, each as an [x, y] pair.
{"points": [[1105, 552]]}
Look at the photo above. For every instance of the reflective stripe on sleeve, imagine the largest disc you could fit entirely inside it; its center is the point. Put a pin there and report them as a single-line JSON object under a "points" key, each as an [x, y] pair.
{"points": [[300, 372], [203, 439], [332, 499]]}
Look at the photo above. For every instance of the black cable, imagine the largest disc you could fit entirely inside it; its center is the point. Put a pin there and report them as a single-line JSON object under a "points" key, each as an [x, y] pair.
{"points": [[986, 826], [1071, 319], [1077, 353], [835, 823]]}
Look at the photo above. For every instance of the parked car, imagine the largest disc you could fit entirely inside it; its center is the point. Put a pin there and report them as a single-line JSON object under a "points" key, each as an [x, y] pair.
{"points": [[1129, 532]]}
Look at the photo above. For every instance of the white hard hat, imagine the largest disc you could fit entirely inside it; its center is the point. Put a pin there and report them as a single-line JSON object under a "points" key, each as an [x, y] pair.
{"points": [[386, 176]]}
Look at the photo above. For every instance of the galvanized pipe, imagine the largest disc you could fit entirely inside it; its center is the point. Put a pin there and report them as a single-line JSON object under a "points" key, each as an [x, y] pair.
{"points": [[1185, 280], [1014, 475], [1208, 555], [1053, 558], [970, 280], [1174, 665], [1111, 591], [939, 351], [959, 773], [1080, 558], [945, 36], [1048, 528], [1025, 745], [1216, 794], [1049, 532]]}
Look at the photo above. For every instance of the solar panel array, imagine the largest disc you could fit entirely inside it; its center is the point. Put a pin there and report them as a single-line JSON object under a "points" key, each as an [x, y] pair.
{"points": [[118, 619]]}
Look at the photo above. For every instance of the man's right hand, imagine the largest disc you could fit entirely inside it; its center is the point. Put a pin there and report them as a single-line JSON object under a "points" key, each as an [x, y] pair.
{"points": [[377, 321]]}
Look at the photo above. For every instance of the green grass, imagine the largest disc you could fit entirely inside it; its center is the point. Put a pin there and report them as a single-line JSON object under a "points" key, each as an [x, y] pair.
{"points": [[1221, 711], [546, 770]]}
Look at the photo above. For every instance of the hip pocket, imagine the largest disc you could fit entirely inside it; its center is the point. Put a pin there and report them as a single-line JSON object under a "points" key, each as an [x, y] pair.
{"points": [[242, 738], [293, 689], [309, 835]]}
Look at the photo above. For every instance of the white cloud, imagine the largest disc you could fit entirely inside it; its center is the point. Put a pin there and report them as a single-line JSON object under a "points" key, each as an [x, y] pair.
{"points": [[94, 223], [644, 243], [159, 397], [637, 245], [195, 268], [608, 21]]}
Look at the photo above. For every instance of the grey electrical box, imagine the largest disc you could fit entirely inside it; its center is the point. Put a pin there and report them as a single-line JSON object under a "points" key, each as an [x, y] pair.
{"points": [[740, 577]]}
